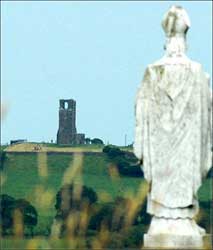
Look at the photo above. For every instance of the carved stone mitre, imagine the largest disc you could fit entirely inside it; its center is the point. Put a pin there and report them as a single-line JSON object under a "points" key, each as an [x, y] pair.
{"points": [[176, 22]]}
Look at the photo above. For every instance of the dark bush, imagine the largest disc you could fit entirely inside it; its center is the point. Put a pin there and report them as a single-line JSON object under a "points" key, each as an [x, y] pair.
{"points": [[102, 216], [3, 157], [204, 219], [29, 212], [97, 141], [125, 161], [72, 200], [6, 212], [66, 200], [206, 204], [126, 169], [113, 151], [113, 215], [87, 140], [134, 238], [8, 205], [210, 173]]}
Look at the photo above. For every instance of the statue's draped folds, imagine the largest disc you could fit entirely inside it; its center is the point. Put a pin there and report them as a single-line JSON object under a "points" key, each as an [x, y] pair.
{"points": [[173, 138], [173, 131]]}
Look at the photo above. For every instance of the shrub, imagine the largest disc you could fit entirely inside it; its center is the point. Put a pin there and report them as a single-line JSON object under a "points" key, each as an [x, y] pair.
{"points": [[210, 173], [113, 215], [112, 151], [3, 157], [126, 162], [97, 141], [8, 205], [66, 198], [74, 200], [102, 216]]}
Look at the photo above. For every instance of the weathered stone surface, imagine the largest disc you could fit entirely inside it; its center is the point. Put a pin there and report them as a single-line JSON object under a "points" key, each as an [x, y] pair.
{"points": [[67, 119], [169, 241], [67, 133], [174, 135]]}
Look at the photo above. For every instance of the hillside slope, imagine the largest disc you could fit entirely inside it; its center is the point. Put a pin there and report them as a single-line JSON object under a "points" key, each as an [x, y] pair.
{"points": [[38, 176]]}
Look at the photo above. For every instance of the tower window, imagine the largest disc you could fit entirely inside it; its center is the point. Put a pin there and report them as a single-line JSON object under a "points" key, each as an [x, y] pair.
{"points": [[66, 105]]}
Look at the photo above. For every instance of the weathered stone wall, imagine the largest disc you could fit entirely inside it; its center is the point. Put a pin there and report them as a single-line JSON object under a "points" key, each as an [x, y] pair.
{"points": [[67, 120], [67, 133], [80, 138]]}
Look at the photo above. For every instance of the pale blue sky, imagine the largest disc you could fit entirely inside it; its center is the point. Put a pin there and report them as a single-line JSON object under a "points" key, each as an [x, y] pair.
{"points": [[93, 52]]}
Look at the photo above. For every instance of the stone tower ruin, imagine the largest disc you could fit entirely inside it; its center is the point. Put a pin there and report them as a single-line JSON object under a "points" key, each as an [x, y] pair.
{"points": [[67, 133]]}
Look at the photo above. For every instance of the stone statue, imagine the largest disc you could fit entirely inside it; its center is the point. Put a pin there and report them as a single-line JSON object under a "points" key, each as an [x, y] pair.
{"points": [[173, 137]]}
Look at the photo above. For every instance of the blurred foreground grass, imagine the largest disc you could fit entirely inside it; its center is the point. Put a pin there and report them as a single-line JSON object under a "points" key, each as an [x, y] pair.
{"points": [[22, 180], [38, 243], [37, 177]]}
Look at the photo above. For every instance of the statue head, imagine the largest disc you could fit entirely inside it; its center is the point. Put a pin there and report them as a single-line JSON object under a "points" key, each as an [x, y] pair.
{"points": [[176, 23]]}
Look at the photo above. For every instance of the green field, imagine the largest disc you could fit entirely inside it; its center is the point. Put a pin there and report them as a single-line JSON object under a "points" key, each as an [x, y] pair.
{"points": [[22, 178]]}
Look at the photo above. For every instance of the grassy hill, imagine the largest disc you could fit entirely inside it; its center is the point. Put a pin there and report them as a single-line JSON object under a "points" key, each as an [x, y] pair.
{"points": [[37, 176], [52, 147], [22, 178]]}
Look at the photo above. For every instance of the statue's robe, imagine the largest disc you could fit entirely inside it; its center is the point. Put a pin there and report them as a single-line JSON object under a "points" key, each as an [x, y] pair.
{"points": [[173, 134]]}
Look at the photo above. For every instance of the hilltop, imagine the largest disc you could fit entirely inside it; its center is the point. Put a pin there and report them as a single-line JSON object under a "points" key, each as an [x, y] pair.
{"points": [[51, 147]]}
